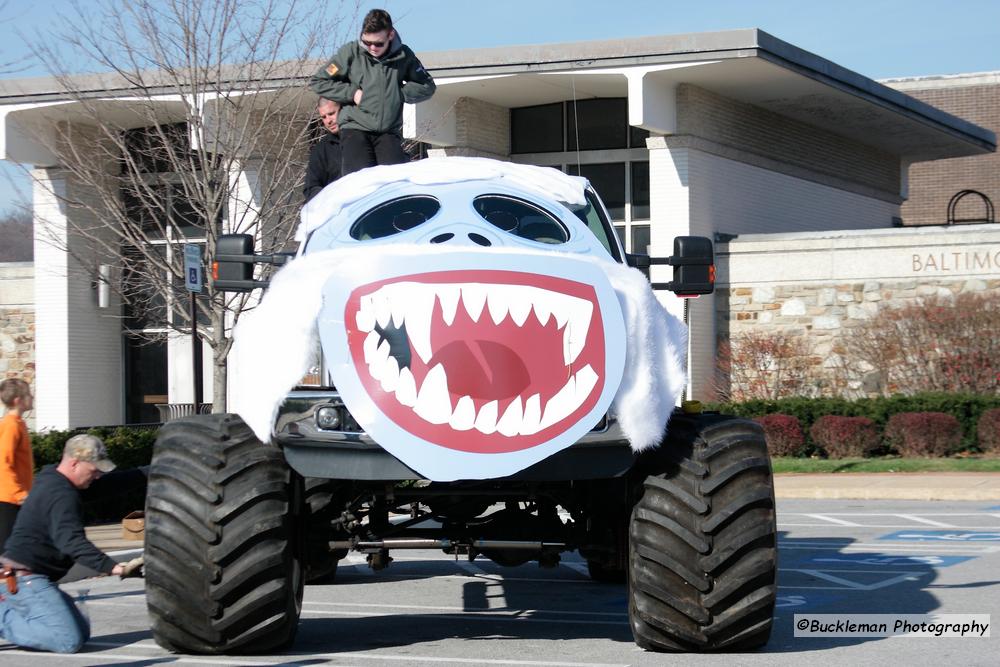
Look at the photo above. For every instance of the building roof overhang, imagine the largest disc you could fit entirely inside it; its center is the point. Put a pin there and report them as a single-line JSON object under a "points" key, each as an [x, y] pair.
{"points": [[748, 65]]}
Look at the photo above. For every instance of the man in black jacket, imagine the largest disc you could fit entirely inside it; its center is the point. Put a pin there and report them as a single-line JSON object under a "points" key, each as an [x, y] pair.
{"points": [[372, 78], [324, 158], [48, 538]]}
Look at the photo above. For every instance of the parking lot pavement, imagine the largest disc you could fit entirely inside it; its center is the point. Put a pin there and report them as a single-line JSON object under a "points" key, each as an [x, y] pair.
{"points": [[836, 557]]}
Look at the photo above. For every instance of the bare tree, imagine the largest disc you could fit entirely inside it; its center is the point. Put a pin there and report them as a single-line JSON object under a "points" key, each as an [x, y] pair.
{"points": [[766, 366], [197, 124], [16, 232]]}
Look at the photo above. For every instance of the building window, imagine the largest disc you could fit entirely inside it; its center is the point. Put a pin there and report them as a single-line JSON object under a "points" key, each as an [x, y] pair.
{"points": [[612, 155], [537, 129], [599, 123], [609, 181], [553, 128], [639, 188], [624, 189], [640, 239]]}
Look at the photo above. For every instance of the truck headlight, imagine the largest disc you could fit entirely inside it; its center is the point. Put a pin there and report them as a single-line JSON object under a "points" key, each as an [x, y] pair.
{"points": [[328, 418]]}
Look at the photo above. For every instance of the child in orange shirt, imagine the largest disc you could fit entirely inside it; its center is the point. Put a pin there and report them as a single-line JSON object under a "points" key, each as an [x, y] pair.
{"points": [[16, 462]]}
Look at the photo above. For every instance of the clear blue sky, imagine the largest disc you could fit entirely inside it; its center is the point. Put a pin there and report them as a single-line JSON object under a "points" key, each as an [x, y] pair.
{"points": [[877, 38]]}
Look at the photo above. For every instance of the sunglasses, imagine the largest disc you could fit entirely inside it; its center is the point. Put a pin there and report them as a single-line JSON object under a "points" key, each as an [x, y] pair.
{"points": [[376, 44]]}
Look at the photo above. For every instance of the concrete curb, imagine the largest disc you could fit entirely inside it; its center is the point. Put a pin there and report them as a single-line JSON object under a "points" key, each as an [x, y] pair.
{"points": [[889, 486]]}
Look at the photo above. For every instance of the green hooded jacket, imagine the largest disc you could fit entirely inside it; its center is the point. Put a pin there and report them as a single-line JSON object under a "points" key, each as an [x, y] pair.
{"points": [[386, 83]]}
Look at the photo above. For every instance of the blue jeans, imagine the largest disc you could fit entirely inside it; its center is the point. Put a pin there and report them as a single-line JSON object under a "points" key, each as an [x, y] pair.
{"points": [[40, 616]]}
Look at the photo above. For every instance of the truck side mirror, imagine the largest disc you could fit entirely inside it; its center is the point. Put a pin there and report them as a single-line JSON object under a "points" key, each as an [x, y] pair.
{"points": [[694, 266], [232, 270]]}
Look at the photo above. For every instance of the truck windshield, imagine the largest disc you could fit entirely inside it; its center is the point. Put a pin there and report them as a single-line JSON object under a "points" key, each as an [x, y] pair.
{"points": [[592, 215]]}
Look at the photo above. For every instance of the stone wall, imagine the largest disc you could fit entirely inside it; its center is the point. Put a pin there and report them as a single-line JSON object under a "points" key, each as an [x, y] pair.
{"points": [[816, 287], [17, 324]]}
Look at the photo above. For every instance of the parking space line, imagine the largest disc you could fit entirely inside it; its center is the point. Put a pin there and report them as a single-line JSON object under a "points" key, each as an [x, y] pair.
{"points": [[784, 524], [839, 522], [929, 522], [854, 585], [936, 547], [348, 655], [555, 612]]}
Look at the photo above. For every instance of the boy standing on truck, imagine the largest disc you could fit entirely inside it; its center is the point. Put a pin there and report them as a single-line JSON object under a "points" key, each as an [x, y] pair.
{"points": [[371, 79]]}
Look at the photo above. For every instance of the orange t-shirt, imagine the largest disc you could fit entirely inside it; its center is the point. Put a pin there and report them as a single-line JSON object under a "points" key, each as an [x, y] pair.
{"points": [[17, 465]]}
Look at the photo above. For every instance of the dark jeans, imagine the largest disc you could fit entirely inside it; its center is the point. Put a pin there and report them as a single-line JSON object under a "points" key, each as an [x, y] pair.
{"points": [[8, 513], [361, 149]]}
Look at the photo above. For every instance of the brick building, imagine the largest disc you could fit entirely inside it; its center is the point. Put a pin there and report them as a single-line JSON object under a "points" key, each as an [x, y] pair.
{"points": [[976, 98]]}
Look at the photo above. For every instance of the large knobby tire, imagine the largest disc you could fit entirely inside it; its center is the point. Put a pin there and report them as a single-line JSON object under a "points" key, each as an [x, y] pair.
{"points": [[702, 540], [320, 507], [223, 571]]}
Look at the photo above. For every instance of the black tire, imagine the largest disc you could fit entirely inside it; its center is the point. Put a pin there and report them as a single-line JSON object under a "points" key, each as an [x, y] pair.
{"points": [[223, 570], [702, 540], [605, 574], [320, 508]]}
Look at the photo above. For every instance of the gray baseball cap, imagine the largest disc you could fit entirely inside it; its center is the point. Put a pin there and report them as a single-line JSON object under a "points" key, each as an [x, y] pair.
{"points": [[90, 448]]}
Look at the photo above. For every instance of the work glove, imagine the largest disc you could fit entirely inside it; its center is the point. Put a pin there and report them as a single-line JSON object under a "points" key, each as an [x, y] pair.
{"points": [[132, 568]]}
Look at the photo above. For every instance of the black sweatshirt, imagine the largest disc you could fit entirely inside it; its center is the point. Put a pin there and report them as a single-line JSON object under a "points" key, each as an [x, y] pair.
{"points": [[324, 165], [48, 536]]}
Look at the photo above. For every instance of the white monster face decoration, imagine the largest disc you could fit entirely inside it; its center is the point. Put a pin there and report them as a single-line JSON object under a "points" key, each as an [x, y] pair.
{"points": [[478, 335]]}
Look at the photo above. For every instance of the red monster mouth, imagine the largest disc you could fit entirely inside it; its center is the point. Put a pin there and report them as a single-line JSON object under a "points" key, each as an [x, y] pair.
{"points": [[479, 361]]}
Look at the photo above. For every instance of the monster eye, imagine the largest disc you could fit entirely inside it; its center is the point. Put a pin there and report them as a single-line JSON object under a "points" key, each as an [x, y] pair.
{"points": [[393, 217], [521, 218]]}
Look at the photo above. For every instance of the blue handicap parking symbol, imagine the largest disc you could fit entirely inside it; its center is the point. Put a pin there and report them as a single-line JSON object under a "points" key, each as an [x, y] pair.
{"points": [[888, 560], [943, 536]]}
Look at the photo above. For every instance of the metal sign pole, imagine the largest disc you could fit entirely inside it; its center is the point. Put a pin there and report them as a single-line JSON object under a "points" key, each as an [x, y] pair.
{"points": [[193, 282], [196, 354]]}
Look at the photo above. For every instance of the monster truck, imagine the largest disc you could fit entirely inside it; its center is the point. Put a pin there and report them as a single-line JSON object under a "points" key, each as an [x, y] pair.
{"points": [[497, 381]]}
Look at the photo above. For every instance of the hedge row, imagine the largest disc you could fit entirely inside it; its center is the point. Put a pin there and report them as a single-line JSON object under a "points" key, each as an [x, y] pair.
{"points": [[968, 409], [909, 434], [128, 447]]}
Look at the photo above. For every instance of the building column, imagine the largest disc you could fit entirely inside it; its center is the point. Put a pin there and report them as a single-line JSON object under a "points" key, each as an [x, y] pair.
{"points": [[51, 323], [78, 344], [670, 203]]}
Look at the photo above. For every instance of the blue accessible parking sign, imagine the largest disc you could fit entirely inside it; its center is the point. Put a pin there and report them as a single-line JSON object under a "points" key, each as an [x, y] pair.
{"points": [[192, 267]]}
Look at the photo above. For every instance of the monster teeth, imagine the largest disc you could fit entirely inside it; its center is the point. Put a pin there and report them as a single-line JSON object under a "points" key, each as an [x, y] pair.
{"points": [[370, 346], [419, 309], [577, 327], [486, 420], [473, 298], [412, 304], [509, 424], [383, 313], [390, 374], [532, 415], [433, 403], [464, 417], [449, 295], [406, 388]]}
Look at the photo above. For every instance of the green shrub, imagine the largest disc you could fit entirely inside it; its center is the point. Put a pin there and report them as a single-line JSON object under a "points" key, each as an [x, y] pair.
{"points": [[842, 437], [923, 433], [989, 431], [127, 447], [783, 433]]}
